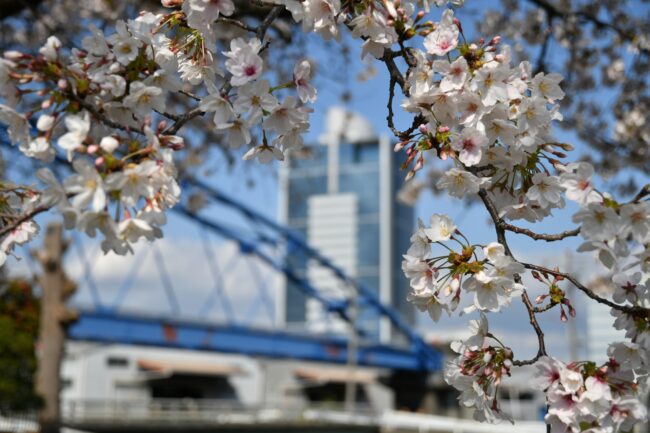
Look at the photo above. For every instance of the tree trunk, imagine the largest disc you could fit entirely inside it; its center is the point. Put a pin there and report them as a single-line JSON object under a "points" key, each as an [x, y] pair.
{"points": [[56, 288]]}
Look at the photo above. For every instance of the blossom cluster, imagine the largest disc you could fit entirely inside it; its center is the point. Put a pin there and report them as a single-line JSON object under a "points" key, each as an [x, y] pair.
{"points": [[583, 396], [104, 108], [478, 371], [493, 122], [437, 281]]}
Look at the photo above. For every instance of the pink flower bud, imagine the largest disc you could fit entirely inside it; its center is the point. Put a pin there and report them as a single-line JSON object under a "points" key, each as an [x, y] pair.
{"points": [[458, 24], [399, 146], [419, 164], [92, 149], [171, 3], [423, 128], [46, 104], [442, 129], [495, 40], [563, 316], [99, 161], [13, 55], [62, 84]]}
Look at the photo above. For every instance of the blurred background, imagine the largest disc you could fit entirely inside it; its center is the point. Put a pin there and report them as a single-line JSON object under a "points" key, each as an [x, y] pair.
{"points": [[275, 301]]}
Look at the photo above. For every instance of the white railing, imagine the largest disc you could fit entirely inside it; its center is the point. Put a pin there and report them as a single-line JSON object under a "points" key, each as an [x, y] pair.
{"points": [[199, 411], [188, 412], [19, 423]]}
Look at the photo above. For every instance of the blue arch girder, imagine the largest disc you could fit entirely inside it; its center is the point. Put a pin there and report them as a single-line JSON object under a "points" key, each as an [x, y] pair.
{"points": [[110, 325], [121, 328]]}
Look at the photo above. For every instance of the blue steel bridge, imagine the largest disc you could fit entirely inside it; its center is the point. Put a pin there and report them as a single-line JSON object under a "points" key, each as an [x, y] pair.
{"points": [[234, 241]]}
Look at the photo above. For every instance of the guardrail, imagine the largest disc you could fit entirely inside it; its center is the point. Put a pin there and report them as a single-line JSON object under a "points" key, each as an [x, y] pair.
{"points": [[188, 413], [203, 412]]}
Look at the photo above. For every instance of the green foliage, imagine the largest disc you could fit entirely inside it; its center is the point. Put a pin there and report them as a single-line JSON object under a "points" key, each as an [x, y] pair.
{"points": [[19, 318]]}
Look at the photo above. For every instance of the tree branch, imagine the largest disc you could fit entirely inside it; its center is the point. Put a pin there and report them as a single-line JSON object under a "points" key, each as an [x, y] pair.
{"points": [[555, 12], [23, 218], [538, 236], [501, 237], [632, 310]]}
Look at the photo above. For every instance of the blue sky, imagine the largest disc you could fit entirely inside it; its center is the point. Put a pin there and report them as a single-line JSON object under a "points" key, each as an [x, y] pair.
{"points": [[369, 99]]}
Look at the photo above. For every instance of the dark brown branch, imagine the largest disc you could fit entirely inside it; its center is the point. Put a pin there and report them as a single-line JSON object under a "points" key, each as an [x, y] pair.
{"points": [[237, 23], [645, 191], [182, 120], [501, 237], [553, 11], [541, 348], [632, 310], [23, 218], [101, 116], [268, 20], [260, 32], [393, 71], [546, 307], [538, 236]]}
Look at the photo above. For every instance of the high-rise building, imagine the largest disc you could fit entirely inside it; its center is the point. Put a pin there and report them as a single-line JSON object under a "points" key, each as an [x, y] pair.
{"points": [[341, 198]]}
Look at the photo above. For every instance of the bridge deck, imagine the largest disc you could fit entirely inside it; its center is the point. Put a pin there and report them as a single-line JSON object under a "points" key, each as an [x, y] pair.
{"points": [[108, 327]]}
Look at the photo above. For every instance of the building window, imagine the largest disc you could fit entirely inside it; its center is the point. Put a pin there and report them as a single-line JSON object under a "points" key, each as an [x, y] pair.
{"points": [[66, 382], [114, 361]]}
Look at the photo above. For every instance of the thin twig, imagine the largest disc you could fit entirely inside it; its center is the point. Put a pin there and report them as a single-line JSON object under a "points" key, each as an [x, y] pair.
{"points": [[538, 236], [501, 237], [632, 310], [101, 116], [25, 217]]}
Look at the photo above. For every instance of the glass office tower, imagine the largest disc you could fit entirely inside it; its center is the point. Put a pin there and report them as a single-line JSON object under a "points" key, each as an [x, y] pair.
{"points": [[344, 204]]}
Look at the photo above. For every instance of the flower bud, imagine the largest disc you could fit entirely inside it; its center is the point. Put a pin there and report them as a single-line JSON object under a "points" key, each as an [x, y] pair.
{"points": [[423, 128], [399, 146], [99, 161], [409, 175], [458, 24], [171, 3], [92, 149], [13, 55], [109, 144], [500, 58], [419, 164], [62, 84], [495, 40]]}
